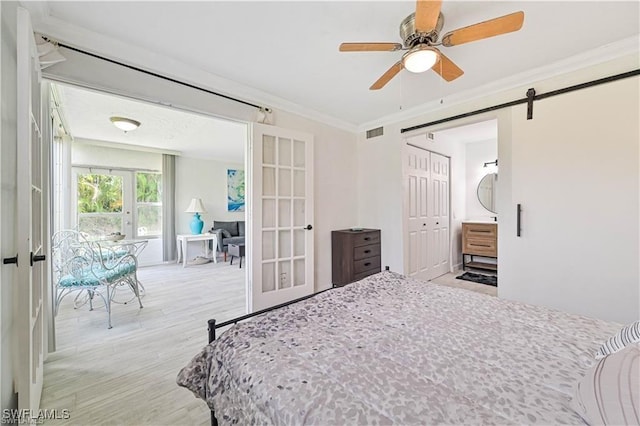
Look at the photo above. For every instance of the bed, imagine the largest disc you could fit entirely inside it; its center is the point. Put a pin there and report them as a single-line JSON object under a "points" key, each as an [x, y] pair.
{"points": [[393, 350]]}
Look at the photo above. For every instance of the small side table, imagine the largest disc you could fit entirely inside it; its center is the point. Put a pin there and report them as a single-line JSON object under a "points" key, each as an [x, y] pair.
{"points": [[236, 250], [182, 243]]}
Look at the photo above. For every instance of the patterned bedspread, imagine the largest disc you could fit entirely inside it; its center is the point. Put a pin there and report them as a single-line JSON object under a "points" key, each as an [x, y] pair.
{"points": [[390, 349]]}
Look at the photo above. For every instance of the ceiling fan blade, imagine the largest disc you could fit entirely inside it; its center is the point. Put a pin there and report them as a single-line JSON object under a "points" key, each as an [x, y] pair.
{"points": [[427, 12], [370, 47], [391, 72], [493, 27], [446, 68]]}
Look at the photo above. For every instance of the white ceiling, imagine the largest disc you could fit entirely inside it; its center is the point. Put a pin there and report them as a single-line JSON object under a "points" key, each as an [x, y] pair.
{"points": [[289, 49], [87, 114]]}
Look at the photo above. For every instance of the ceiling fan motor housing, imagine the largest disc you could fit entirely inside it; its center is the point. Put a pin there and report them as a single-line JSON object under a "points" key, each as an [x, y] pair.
{"points": [[411, 38]]}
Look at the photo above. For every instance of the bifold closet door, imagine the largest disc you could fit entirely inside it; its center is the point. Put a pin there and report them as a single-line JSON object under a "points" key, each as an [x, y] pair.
{"points": [[427, 213]]}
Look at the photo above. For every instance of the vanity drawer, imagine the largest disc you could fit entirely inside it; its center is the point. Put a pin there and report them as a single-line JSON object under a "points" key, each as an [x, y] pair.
{"points": [[480, 247], [363, 252], [372, 263], [485, 231], [366, 238]]}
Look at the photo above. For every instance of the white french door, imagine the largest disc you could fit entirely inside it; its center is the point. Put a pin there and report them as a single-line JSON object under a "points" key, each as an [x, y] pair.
{"points": [[280, 246], [30, 317], [427, 213]]}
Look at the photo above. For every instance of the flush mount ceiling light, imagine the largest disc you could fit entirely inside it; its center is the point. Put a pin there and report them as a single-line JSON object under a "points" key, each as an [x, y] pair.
{"points": [[125, 124], [420, 59]]}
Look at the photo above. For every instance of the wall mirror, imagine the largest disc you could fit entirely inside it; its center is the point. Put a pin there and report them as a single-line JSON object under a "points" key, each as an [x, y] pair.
{"points": [[487, 191]]}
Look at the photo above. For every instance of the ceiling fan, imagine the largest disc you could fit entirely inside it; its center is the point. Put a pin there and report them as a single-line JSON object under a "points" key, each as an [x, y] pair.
{"points": [[420, 31]]}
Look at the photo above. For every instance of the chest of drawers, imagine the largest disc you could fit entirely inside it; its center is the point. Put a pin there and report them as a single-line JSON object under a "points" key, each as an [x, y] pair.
{"points": [[479, 239], [354, 255]]}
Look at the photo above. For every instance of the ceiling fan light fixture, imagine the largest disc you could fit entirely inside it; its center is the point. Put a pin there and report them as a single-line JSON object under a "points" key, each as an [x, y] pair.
{"points": [[420, 59], [125, 124]]}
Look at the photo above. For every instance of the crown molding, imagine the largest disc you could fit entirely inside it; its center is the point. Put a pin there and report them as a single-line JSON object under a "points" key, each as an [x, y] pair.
{"points": [[85, 39], [612, 51]]}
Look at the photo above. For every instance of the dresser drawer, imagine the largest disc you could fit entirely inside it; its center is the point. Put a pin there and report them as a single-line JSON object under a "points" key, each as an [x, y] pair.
{"points": [[366, 238], [366, 264], [480, 246], [361, 275], [363, 252]]}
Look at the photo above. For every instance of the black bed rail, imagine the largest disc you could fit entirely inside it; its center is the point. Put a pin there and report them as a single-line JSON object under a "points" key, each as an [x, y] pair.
{"points": [[212, 326]]}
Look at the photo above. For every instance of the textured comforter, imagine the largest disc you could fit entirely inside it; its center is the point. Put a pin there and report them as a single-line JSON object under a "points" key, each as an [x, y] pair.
{"points": [[390, 349]]}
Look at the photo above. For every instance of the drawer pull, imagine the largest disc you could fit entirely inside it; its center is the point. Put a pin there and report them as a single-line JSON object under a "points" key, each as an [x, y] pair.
{"points": [[367, 238], [367, 251], [367, 264], [486, 231], [479, 245]]}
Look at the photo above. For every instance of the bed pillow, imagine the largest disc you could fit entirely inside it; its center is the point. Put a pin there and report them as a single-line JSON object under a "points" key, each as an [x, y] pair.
{"points": [[610, 392], [628, 334]]}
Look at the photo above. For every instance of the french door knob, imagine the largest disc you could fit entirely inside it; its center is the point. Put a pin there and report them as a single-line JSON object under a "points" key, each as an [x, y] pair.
{"points": [[37, 258], [10, 260], [308, 227]]}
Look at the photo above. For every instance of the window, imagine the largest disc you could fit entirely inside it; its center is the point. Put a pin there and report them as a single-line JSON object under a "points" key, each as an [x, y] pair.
{"points": [[149, 204], [100, 198]]}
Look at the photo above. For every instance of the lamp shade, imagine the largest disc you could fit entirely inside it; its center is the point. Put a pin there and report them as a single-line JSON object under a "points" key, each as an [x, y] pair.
{"points": [[195, 206]]}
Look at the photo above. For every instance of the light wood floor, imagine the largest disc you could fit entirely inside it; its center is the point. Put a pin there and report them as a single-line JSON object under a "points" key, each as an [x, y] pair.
{"points": [[126, 375]]}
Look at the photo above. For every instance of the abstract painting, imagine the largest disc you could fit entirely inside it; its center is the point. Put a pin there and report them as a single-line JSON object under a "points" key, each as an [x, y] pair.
{"points": [[235, 190]]}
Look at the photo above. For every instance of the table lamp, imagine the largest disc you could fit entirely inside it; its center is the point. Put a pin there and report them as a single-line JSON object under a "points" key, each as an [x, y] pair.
{"points": [[196, 208]]}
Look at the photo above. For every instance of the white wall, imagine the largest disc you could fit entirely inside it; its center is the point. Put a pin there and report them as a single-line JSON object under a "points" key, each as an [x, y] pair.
{"points": [[84, 152], [8, 143], [478, 153], [380, 163], [205, 179]]}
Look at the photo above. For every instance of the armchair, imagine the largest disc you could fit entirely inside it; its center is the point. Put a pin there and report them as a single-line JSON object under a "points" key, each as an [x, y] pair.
{"points": [[231, 232]]}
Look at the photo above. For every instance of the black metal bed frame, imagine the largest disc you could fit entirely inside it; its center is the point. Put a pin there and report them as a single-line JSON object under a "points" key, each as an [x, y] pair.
{"points": [[212, 327]]}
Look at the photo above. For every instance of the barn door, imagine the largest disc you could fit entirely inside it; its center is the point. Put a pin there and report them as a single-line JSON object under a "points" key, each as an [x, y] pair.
{"points": [[30, 316], [280, 250]]}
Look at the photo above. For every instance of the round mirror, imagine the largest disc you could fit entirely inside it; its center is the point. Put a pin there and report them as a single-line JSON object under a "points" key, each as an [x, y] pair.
{"points": [[487, 191]]}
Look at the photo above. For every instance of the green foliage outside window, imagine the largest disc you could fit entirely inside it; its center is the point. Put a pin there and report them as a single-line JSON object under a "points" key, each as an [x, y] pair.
{"points": [[149, 187], [99, 193], [149, 199]]}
